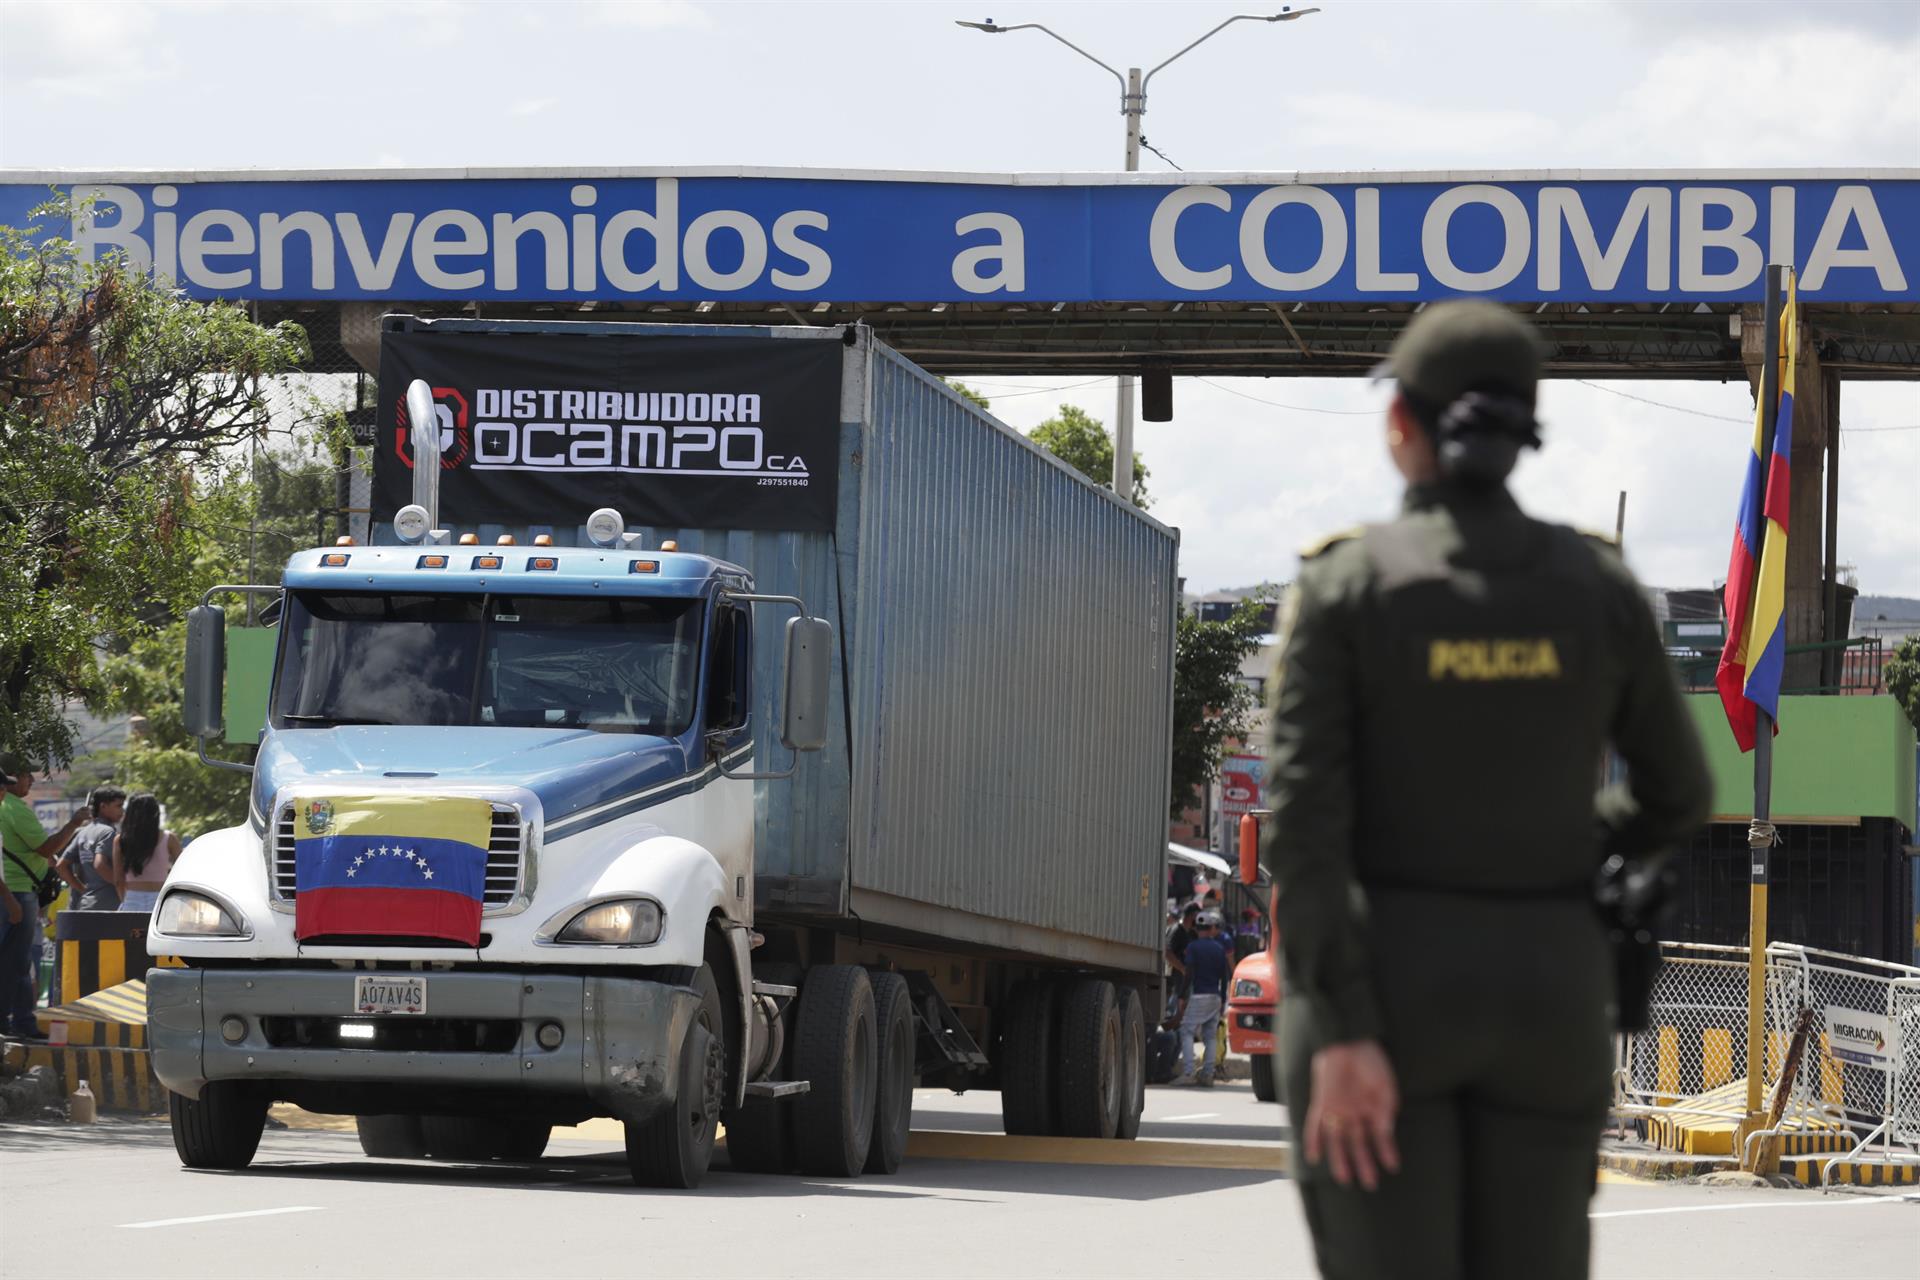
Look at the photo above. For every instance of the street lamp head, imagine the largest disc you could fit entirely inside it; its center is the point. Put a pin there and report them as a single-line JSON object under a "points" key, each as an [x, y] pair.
{"points": [[987, 26], [1289, 13]]}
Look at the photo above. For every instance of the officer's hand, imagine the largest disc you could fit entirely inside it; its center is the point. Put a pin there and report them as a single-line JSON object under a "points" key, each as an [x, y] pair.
{"points": [[1350, 1120]]}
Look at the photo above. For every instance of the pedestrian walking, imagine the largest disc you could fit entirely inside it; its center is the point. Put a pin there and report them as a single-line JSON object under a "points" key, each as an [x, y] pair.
{"points": [[143, 854], [1208, 965], [1448, 684], [27, 852], [89, 857]]}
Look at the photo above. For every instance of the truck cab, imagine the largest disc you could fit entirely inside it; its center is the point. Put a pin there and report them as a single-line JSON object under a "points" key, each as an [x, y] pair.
{"points": [[584, 712]]}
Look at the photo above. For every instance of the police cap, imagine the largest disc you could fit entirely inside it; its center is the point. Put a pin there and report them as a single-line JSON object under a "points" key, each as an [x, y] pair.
{"points": [[1457, 347]]}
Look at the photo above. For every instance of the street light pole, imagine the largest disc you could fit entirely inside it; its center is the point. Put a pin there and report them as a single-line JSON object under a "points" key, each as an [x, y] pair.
{"points": [[1133, 105]]}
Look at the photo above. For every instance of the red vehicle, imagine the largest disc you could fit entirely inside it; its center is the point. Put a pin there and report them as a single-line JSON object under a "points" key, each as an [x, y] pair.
{"points": [[1253, 999], [1252, 1003]]}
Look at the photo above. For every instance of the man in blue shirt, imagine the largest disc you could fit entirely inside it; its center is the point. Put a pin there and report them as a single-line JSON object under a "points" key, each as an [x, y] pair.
{"points": [[1208, 966]]}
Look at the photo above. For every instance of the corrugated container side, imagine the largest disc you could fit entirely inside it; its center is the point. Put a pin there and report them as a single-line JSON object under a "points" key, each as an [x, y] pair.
{"points": [[1012, 646]]}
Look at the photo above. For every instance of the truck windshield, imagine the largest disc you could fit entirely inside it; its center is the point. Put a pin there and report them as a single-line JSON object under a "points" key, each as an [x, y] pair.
{"points": [[614, 665]]}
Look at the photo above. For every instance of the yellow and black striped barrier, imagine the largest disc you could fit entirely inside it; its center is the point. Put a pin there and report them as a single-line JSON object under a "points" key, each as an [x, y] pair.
{"points": [[121, 1079]]}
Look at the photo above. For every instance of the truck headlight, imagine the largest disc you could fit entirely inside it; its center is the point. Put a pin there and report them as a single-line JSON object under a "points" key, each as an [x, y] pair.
{"points": [[195, 915], [624, 922], [1247, 989]]}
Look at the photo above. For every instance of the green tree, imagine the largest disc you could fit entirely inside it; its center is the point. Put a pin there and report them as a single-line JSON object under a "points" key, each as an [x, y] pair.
{"points": [[1079, 440], [1211, 706], [1902, 674], [120, 401], [966, 392]]}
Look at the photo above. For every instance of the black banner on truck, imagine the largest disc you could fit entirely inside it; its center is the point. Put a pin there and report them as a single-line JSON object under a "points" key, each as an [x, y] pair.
{"points": [[674, 432]]}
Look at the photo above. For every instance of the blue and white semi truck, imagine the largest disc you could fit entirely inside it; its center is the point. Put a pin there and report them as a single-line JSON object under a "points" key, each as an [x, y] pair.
{"points": [[779, 824]]}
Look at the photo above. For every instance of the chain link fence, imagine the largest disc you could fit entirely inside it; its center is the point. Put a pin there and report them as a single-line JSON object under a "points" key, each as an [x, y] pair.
{"points": [[1857, 1080]]}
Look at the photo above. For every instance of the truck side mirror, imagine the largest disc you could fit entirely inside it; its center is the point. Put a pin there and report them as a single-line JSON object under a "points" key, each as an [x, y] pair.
{"points": [[1249, 849], [809, 662], [200, 704]]}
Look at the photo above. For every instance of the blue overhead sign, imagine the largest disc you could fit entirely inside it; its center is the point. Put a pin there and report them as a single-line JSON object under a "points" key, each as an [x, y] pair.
{"points": [[800, 236]]}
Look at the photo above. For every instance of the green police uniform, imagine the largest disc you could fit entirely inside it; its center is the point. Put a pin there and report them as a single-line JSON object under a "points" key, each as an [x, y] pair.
{"points": [[1449, 683]]}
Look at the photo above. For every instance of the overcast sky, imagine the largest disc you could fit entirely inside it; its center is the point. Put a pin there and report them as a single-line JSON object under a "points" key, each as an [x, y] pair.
{"points": [[1251, 468]]}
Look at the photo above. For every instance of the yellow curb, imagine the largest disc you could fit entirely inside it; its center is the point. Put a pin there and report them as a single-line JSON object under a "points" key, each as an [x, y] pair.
{"points": [[938, 1144]]}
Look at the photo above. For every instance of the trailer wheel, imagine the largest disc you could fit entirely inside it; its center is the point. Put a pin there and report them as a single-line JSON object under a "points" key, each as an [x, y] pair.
{"points": [[1266, 1086], [521, 1140], [673, 1147], [1133, 1057], [391, 1137], [1026, 1059], [837, 1052], [760, 1134], [1092, 1084], [221, 1128], [893, 1098]]}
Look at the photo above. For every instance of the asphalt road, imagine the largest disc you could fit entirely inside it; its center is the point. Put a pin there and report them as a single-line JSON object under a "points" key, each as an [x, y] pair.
{"points": [[1203, 1195]]}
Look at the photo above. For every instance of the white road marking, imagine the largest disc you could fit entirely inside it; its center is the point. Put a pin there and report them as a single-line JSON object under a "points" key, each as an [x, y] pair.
{"points": [[221, 1217], [1823, 1203], [1198, 1115]]}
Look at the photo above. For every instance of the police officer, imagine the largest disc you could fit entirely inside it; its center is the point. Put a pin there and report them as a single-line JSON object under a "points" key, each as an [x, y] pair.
{"points": [[1449, 682]]}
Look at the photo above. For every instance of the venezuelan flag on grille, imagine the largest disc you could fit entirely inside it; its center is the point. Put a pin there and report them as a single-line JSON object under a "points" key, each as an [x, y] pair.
{"points": [[1756, 648], [391, 866]]}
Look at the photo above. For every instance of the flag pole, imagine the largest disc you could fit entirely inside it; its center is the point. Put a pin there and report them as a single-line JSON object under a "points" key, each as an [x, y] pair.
{"points": [[1760, 831]]}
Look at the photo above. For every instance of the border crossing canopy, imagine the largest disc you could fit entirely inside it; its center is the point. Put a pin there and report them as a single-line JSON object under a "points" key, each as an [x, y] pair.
{"points": [[1247, 273]]}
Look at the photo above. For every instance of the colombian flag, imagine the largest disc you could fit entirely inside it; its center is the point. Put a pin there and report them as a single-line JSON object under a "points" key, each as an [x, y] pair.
{"points": [[1755, 652], [392, 866]]}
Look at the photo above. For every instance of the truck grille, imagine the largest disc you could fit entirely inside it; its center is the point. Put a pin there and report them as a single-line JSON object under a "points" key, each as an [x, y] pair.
{"points": [[506, 856]]}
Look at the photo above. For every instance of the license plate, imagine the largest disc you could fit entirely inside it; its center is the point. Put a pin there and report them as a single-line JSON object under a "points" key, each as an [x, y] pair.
{"points": [[378, 993]]}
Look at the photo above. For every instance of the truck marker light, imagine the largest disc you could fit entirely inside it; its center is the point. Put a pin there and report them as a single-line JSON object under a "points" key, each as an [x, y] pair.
{"points": [[669, 545], [344, 540], [504, 540], [542, 539], [542, 562], [430, 562], [486, 562], [644, 566], [334, 560], [469, 539]]}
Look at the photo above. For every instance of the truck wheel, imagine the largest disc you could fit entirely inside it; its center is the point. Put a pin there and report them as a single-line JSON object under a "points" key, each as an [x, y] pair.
{"points": [[521, 1140], [837, 1051], [1133, 1057], [1092, 1088], [760, 1134], [1265, 1087], [893, 1098], [221, 1128], [674, 1147], [1026, 1059], [391, 1137]]}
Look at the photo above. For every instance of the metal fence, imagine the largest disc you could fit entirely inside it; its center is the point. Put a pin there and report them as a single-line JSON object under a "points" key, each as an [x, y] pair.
{"points": [[1849, 1097]]}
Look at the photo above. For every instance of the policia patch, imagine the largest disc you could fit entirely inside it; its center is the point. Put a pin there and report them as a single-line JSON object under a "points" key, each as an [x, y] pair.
{"points": [[1493, 658]]}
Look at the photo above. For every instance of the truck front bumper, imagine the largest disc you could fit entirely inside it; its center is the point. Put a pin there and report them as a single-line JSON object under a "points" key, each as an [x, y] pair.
{"points": [[1250, 1028], [618, 1048]]}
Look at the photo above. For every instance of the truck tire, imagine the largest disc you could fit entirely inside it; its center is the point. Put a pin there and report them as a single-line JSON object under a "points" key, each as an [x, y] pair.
{"points": [[1266, 1087], [837, 1051], [221, 1128], [521, 1140], [1133, 1046], [1092, 1067], [760, 1134], [1026, 1059], [893, 1096], [391, 1137], [673, 1148]]}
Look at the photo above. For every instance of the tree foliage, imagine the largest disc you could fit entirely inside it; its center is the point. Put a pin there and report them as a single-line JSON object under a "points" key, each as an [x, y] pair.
{"points": [[1078, 439], [967, 393], [119, 403], [1211, 707], [1902, 674]]}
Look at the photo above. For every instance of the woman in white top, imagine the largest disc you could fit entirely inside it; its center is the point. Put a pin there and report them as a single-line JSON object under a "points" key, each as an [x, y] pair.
{"points": [[143, 854]]}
